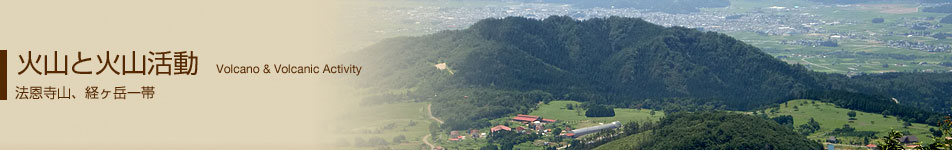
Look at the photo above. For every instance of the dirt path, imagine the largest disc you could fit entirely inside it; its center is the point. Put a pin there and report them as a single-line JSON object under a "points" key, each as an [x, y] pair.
{"points": [[429, 113], [426, 140]]}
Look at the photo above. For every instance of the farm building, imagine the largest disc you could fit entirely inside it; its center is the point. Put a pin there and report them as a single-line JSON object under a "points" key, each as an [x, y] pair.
{"points": [[474, 133], [593, 129], [530, 118], [909, 139], [872, 147], [454, 133], [500, 127]]}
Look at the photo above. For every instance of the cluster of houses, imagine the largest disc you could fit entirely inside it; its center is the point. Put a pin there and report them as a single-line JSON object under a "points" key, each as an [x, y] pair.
{"points": [[533, 124], [530, 124]]}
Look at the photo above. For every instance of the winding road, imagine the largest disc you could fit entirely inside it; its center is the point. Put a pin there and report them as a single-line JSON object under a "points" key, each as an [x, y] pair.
{"points": [[429, 112], [426, 140]]}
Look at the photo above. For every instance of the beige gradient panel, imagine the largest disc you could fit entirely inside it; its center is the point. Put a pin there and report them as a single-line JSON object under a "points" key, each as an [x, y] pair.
{"points": [[207, 111]]}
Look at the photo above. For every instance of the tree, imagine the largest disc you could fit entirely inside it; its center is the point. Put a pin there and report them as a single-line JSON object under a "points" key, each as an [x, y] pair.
{"points": [[599, 111], [945, 127], [851, 114], [785, 120], [489, 147], [809, 127], [721, 130], [891, 141], [936, 133], [632, 128], [399, 138], [569, 106], [878, 20]]}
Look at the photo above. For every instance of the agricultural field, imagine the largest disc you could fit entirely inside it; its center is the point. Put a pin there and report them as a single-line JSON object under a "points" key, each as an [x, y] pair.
{"points": [[385, 121], [862, 45], [831, 117]]}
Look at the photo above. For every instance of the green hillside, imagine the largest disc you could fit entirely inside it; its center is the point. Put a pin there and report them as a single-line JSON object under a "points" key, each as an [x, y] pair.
{"points": [[630, 142], [557, 110], [831, 117]]}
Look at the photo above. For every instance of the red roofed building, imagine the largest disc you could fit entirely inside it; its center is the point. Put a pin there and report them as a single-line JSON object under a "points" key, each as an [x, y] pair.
{"points": [[530, 118], [500, 127], [474, 132], [454, 133]]}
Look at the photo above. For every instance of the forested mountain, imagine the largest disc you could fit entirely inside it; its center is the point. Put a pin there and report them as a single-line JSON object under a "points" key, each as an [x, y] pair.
{"points": [[502, 66]]}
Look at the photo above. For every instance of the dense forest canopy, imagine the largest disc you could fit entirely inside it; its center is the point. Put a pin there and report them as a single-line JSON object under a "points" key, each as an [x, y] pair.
{"points": [[499, 67], [721, 130]]}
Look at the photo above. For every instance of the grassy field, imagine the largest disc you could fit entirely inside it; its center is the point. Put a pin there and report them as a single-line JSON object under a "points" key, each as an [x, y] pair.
{"points": [[557, 110], [830, 117], [384, 121]]}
